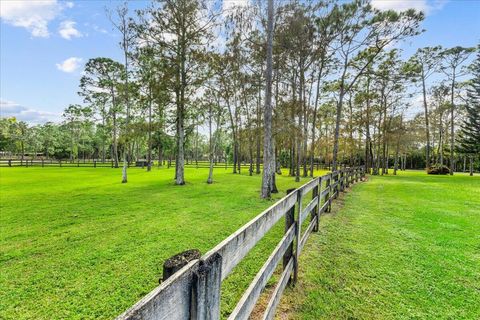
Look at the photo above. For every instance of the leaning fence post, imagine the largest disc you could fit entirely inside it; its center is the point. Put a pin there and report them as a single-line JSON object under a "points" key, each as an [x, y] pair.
{"points": [[206, 289]]}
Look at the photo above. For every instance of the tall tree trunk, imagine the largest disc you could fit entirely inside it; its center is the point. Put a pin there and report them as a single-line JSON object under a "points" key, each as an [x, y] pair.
{"points": [[149, 155], [211, 151], [268, 171], [452, 132], [427, 126], [338, 117], [115, 142], [471, 165], [258, 132], [368, 142]]}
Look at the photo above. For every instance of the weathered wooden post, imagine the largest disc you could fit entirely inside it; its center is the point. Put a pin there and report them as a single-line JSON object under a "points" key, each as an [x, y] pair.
{"points": [[178, 261], [9, 162], [342, 179], [335, 182], [206, 289], [328, 195], [94, 163], [315, 210], [42, 163], [298, 228], [289, 221]]}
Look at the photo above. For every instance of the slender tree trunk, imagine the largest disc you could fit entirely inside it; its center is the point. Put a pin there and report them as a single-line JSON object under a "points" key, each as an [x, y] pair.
{"points": [[115, 142], [258, 131], [338, 119], [149, 155], [211, 151], [268, 171], [471, 165], [368, 142], [452, 132], [427, 126]]}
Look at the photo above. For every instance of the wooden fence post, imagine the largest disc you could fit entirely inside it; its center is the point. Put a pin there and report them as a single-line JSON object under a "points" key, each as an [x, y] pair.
{"points": [[206, 289], [340, 180], [336, 182], [94, 163], [316, 209], [42, 163], [112, 163], [60, 163], [9, 162], [329, 194], [298, 229], [289, 220]]}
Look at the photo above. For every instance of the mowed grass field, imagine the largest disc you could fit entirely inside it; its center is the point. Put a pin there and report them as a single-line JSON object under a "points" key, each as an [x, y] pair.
{"points": [[396, 247], [75, 243]]}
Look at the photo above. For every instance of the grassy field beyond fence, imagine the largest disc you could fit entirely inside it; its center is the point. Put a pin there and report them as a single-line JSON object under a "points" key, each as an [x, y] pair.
{"points": [[396, 247], [76, 243]]}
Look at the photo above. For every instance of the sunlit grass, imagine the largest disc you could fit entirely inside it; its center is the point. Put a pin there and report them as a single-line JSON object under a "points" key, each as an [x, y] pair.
{"points": [[76, 243], [398, 247]]}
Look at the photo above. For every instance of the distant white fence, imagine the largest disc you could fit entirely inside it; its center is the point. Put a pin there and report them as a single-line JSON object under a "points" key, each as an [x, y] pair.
{"points": [[194, 291]]}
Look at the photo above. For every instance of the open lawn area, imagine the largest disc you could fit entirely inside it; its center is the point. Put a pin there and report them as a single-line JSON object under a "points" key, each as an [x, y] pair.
{"points": [[76, 243], [396, 247]]}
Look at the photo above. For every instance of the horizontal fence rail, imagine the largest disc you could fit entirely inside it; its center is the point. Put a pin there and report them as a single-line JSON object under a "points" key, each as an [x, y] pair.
{"points": [[194, 291], [111, 164]]}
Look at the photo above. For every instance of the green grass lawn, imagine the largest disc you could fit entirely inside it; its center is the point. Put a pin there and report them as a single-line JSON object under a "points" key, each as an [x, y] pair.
{"points": [[76, 243], [396, 247]]}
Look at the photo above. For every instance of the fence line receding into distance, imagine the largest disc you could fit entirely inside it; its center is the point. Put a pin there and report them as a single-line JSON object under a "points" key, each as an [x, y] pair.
{"points": [[194, 291]]}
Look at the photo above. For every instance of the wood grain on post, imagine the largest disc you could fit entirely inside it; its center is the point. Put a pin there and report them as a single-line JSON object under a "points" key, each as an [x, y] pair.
{"points": [[206, 289], [178, 261], [298, 235], [289, 221]]}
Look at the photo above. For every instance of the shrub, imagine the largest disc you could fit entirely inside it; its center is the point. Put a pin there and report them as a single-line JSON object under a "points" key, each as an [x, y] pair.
{"points": [[438, 170]]}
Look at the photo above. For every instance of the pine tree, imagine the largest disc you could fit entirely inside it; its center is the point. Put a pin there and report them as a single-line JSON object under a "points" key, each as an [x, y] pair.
{"points": [[469, 138]]}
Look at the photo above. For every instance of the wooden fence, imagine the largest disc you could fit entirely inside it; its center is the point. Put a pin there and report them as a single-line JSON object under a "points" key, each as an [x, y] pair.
{"points": [[194, 291], [107, 164]]}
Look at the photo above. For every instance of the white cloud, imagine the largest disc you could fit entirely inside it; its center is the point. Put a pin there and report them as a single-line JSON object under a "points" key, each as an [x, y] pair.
{"points": [[98, 29], [31, 15], [233, 4], [67, 30], [427, 6], [69, 65], [10, 109]]}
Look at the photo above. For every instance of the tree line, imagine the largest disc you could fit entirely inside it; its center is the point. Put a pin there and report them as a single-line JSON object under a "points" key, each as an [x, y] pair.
{"points": [[270, 85]]}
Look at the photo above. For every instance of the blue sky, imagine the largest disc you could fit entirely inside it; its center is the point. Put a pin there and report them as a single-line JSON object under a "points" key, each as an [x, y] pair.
{"points": [[44, 44]]}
